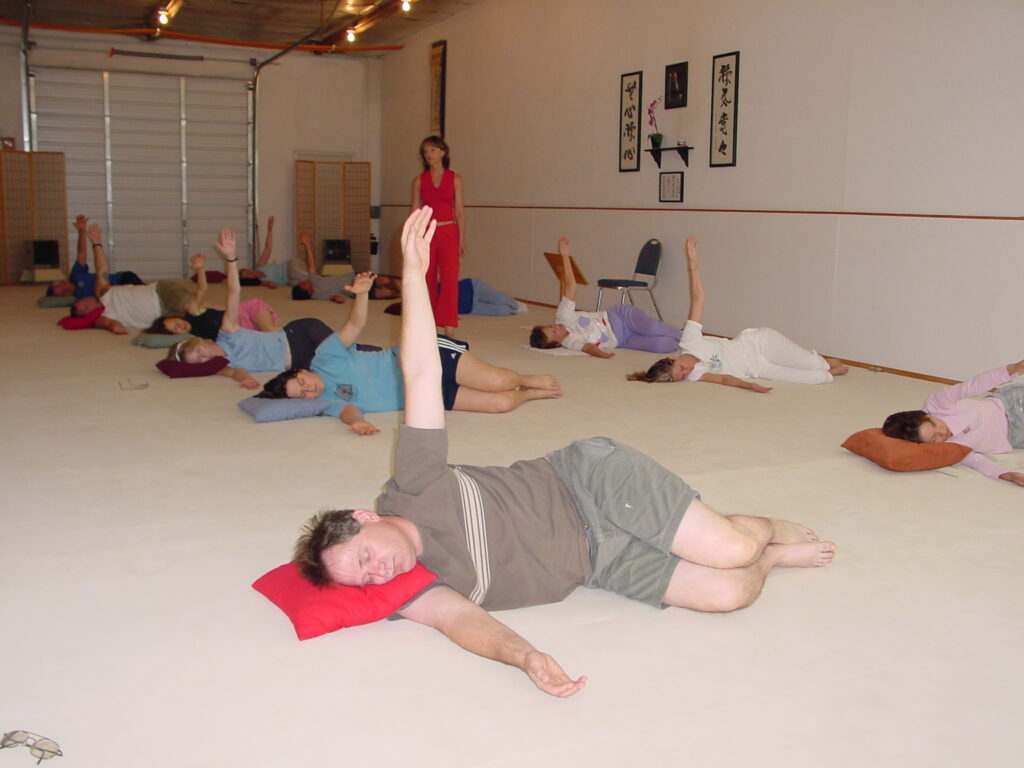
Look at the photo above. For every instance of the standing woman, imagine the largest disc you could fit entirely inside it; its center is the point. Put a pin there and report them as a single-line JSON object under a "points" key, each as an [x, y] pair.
{"points": [[441, 189]]}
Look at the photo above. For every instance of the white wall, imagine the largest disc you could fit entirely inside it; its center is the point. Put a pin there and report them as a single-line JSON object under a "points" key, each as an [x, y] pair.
{"points": [[326, 105], [897, 107]]}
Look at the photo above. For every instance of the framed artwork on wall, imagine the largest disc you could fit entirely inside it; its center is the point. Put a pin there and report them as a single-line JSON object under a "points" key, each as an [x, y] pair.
{"points": [[670, 187], [438, 72], [630, 95], [675, 85], [725, 82]]}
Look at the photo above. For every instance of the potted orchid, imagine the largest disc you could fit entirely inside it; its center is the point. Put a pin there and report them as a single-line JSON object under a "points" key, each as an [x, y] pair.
{"points": [[652, 121]]}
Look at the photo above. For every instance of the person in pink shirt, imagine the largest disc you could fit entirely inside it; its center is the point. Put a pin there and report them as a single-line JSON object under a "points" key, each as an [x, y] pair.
{"points": [[994, 424]]}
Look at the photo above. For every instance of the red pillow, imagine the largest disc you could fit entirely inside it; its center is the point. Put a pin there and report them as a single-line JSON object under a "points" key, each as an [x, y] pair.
{"points": [[85, 321], [903, 455], [314, 611], [177, 370], [213, 276]]}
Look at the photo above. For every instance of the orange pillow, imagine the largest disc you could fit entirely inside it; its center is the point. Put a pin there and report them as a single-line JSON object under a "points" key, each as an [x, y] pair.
{"points": [[903, 455]]}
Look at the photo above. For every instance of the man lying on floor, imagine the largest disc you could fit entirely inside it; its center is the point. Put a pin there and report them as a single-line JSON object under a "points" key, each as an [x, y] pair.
{"points": [[594, 513]]}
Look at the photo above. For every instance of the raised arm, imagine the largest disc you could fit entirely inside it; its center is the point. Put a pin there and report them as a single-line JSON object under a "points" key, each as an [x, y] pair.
{"points": [[198, 265], [99, 256], [421, 366], [225, 246], [360, 288], [306, 240], [82, 252], [460, 216], [472, 628], [696, 286], [268, 243], [568, 276]]}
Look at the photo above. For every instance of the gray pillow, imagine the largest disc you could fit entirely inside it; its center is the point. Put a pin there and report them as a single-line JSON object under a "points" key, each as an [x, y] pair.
{"points": [[55, 301], [159, 340], [264, 409]]}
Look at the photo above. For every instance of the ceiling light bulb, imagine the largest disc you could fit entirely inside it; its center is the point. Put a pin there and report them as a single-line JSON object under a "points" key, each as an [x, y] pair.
{"points": [[162, 17], [350, 36], [406, 5]]}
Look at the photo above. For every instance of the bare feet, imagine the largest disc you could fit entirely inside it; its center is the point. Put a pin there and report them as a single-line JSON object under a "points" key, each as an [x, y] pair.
{"points": [[529, 393], [788, 532], [836, 367], [809, 554], [338, 299], [541, 381]]}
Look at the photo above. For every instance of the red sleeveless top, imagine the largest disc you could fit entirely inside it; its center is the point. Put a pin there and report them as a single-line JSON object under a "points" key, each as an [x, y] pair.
{"points": [[440, 198]]}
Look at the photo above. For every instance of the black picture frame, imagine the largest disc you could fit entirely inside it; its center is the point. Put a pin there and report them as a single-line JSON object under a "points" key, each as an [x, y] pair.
{"points": [[631, 88], [676, 85], [670, 187], [725, 85], [438, 78]]}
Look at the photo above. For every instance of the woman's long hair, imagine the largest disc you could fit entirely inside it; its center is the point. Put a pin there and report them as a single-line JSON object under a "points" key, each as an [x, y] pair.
{"points": [[661, 371]]}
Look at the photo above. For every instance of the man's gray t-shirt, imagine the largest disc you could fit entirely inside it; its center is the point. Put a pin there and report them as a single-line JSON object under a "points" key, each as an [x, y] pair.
{"points": [[324, 286], [505, 537]]}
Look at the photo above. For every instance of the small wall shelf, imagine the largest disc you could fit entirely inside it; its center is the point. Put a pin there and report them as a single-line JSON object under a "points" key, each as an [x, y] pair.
{"points": [[682, 149]]}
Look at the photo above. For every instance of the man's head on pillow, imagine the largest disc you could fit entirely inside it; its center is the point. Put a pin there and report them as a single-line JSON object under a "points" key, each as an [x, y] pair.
{"points": [[84, 306], [297, 383], [917, 427], [355, 547], [302, 291], [60, 288]]}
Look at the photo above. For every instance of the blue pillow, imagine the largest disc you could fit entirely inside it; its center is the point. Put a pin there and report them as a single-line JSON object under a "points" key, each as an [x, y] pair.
{"points": [[280, 409]]}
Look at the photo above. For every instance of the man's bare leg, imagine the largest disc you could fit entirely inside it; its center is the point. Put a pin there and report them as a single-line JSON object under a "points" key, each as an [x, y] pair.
{"points": [[716, 589], [468, 399], [707, 538], [474, 373]]}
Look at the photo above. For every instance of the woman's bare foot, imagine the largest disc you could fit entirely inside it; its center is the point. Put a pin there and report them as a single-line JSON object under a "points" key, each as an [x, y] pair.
{"points": [[541, 381], [788, 532], [809, 554], [836, 367], [530, 393]]}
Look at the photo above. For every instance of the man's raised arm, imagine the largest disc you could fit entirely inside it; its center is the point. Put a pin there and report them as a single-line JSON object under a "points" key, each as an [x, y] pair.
{"points": [[421, 366], [470, 627]]}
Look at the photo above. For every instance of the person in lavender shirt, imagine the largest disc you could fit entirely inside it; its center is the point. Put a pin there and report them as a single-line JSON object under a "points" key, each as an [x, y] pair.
{"points": [[993, 424]]}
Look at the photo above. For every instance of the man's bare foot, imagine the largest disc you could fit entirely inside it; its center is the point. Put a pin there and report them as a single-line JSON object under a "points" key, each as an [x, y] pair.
{"points": [[809, 554], [836, 367], [268, 284], [788, 532], [541, 381]]}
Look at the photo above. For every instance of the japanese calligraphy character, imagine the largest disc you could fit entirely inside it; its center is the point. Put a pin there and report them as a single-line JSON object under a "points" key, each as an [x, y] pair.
{"points": [[724, 101], [725, 74]]}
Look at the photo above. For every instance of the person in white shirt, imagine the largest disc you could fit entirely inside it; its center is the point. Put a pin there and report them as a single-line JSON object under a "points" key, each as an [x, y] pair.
{"points": [[596, 333], [762, 353]]}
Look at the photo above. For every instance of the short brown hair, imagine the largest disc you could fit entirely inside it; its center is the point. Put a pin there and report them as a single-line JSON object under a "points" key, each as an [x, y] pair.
{"points": [[539, 339], [323, 530]]}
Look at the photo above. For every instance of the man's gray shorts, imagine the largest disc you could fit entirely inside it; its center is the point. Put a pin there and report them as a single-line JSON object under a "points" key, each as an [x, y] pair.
{"points": [[1013, 398], [175, 295], [631, 508]]}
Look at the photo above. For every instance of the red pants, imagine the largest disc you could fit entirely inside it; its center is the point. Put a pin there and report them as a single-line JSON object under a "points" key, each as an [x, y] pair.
{"points": [[444, 269]]}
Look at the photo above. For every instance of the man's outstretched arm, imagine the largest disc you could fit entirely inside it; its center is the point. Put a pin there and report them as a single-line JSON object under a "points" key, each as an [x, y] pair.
{"points": [[268, 244], [568, 276], [471, 627]]}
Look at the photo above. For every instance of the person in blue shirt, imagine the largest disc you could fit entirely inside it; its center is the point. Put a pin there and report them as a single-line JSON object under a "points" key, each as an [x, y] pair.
{"points": [[81, 283]]}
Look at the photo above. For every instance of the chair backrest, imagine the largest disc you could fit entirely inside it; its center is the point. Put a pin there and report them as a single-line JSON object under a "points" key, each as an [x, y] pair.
{"points": [[649, 260]]}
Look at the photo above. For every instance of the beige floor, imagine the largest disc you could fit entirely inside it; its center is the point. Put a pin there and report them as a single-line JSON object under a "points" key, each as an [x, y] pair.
{"points": [[134, 521]]}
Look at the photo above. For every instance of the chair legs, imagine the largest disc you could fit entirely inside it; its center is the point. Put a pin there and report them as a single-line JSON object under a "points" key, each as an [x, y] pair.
{"points": [[650, 293]]}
